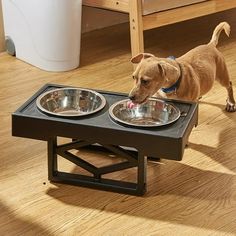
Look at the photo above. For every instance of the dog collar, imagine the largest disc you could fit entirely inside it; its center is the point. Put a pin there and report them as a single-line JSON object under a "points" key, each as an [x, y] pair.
{"points": [[172, 88], [175, 86]]}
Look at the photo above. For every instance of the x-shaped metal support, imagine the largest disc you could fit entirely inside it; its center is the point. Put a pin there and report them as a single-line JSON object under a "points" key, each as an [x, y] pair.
{"points": [[132, 159]]}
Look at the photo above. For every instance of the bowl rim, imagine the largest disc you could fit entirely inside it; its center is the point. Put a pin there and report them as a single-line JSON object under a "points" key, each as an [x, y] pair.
{"points": [[103, 102], [118, 120]]}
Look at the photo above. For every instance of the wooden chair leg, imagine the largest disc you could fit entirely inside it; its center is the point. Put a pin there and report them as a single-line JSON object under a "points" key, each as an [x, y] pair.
{"points": [[136, 27]]}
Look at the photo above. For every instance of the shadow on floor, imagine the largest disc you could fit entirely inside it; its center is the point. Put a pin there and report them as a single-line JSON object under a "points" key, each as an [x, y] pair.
{"points": [[177, 193]]}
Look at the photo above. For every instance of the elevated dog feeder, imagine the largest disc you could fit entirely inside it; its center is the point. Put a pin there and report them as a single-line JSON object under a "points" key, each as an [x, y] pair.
{"points": [[167, 142]]}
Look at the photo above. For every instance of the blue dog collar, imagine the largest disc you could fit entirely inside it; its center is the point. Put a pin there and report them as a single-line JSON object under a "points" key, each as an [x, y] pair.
{"points": [[172, 88], [175, 86]]}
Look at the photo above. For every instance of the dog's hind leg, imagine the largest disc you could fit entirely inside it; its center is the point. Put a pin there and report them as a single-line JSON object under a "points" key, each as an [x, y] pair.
{"points": [[223, 78], [230, 102]]}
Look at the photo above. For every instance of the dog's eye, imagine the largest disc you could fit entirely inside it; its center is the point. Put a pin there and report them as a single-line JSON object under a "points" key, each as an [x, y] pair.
{"points": [[145, 82], [133, 77]]}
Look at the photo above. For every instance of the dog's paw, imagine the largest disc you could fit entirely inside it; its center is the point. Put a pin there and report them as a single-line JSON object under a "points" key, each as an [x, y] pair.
{"points": [[230, 107]]}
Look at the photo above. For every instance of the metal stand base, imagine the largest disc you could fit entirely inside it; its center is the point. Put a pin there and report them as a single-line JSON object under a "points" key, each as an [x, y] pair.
{"points": [[133, 159]]}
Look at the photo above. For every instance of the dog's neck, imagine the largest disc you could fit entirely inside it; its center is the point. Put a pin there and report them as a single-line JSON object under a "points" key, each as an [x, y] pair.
{"points": [[172, 85]]}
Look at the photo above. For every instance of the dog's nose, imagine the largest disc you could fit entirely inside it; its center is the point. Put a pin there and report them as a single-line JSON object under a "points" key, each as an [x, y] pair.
{"points": [[132, 97]]}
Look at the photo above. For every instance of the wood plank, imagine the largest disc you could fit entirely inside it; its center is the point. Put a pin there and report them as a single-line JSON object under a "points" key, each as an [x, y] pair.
{"points": [[118, 5], [136, 27], [186, 12]]}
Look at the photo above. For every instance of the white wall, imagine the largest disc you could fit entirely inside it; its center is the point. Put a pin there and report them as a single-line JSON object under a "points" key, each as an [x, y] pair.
{"points": [[1, 30]]}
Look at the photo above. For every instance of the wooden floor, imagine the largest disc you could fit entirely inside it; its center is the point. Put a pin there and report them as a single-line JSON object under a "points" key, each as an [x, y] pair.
{"points": [[196, 196]]}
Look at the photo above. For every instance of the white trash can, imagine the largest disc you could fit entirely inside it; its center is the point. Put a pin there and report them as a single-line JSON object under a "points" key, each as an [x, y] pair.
{"points": [[44, 33]]}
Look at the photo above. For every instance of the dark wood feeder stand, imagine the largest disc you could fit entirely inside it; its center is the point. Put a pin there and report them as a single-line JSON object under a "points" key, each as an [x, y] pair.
{"points": [[167, 142]]}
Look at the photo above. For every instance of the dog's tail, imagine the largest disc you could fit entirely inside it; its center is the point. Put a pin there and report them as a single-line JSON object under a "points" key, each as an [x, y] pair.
{"points": [[216, 34]]}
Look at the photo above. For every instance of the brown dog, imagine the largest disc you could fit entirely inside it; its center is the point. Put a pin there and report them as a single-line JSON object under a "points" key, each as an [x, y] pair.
{"points": [[187, 77]]}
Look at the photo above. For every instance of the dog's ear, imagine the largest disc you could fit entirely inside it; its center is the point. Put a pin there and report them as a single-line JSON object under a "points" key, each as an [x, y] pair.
{"points": [[136, 59], [167, 70]]}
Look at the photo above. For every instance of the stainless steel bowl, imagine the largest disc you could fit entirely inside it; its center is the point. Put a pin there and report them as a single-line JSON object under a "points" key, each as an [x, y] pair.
{"points": [[153, 113], [70, 102]]}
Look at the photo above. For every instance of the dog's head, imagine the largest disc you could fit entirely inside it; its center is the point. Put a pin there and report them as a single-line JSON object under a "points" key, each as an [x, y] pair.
{"points": [[150, 75]]}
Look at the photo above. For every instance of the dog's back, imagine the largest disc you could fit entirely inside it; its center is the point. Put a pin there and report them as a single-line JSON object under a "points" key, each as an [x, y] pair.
{"points": [[207, 51], [205, 59]]}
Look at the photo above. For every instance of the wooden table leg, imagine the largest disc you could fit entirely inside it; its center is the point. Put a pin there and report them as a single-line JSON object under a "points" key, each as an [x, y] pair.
{"points": [[136, 27]]}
